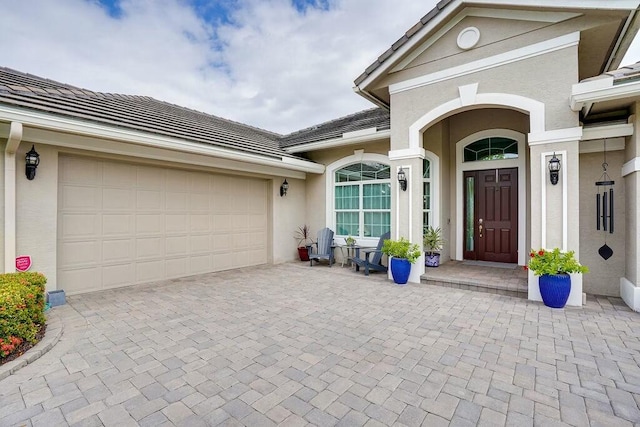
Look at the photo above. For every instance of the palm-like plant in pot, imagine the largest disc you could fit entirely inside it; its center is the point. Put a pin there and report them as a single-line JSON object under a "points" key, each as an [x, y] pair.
{"points": [[303, 235], [402, 254], [554, 267], [433, 243]]}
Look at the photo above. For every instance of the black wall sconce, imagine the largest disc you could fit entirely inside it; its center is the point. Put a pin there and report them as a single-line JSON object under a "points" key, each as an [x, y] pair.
{"points": [[284, 188], [32, 160], [402, 179], [554, 169]]}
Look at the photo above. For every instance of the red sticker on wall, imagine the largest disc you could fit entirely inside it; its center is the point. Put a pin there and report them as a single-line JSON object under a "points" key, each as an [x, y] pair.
{"points": [[23, 263]]}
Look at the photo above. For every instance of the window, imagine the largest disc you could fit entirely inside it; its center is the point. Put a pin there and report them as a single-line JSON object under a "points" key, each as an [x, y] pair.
{"points": [[363, 200], [426, 193], [491, 149]]}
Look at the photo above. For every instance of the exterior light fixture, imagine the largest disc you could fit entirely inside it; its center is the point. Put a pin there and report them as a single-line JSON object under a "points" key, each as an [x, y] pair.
{"points": [[554, 169], [402, 179], [284, 187], [32, 160]]}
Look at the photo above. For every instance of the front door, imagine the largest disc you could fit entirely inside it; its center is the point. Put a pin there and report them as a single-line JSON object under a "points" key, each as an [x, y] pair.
{"points": [[491, 215]]}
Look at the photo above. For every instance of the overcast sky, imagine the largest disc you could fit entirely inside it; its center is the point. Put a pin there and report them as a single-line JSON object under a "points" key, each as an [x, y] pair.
{"points": [[281, 65]]}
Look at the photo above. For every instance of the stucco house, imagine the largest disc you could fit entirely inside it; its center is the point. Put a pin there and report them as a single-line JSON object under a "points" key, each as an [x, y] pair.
{"points": [[472, 103]]}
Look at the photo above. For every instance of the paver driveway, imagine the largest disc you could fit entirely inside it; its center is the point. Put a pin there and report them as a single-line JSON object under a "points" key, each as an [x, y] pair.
{"points": [[297, 345]]}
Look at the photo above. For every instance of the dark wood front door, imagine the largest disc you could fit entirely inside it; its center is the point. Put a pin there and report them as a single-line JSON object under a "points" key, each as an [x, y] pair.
{"points": [[491, 215]]}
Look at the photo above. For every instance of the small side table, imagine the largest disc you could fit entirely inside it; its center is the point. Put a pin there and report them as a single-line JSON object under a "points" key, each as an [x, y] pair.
{"points": [[351, 251]]}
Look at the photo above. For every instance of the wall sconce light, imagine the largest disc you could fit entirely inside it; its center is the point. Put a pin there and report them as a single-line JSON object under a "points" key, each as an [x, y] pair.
{"points": [[32, 160], [402, 179], [554, 169], [284, 187]]}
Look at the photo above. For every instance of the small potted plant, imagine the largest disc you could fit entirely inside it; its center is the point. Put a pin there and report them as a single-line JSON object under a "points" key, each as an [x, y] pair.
{"points": [[402, 254], [350, 241], [554, 267], [303, 235], [433, 244]]}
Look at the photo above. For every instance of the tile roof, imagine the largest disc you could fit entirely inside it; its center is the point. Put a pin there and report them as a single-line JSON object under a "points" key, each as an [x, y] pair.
{"points": [[402, 40], [141, 113], [625, 74], [372, 118]]}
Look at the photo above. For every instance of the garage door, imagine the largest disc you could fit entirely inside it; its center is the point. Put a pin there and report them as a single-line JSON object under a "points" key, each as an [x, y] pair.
{"points": [[121, 224]]}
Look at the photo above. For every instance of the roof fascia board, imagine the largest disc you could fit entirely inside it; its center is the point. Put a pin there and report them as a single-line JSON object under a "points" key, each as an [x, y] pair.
{"points": [[584, 96], [501, 59], [60, 124], [607, 131], [565, 4], [409, 45], [521, 15], [340, 142]]}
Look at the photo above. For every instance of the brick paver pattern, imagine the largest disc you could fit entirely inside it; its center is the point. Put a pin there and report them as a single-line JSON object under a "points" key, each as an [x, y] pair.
{"points": [[296, 345]]}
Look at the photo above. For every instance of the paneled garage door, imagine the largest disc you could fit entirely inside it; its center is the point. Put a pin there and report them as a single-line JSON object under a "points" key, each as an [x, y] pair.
{"points": [[120, 224]]}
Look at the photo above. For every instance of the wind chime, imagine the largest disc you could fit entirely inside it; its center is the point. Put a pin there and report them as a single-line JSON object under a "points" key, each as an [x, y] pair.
{"points": [[604, 206]]}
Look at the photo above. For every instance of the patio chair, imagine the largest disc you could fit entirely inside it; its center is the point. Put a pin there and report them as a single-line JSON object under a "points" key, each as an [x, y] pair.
{"points": [[323, 247], [372, 262]]}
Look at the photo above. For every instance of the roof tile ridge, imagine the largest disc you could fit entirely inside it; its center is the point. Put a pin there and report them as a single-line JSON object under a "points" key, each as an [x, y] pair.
{"points": [[314, 127]]}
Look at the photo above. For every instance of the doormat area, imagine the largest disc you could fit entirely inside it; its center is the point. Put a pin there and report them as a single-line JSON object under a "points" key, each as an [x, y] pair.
{"points": [[507, 266]]}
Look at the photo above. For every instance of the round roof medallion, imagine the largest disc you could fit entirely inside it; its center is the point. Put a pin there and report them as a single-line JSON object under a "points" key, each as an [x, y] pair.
{"points": [[468, 38]]}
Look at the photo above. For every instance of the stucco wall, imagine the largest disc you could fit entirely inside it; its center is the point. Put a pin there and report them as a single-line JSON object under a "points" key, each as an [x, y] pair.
{"points": [[604, 276], [288, 213]]}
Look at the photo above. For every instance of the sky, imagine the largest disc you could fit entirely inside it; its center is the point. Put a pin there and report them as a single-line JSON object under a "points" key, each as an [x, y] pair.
{"points": [[281, 65]]}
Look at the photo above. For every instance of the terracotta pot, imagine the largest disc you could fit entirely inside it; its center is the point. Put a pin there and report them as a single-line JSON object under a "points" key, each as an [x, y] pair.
{"points": [[303, 253]]}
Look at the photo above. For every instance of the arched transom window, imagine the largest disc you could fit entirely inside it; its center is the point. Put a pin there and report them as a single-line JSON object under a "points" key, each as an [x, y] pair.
{"points": [[363, 199], [491, 149]]}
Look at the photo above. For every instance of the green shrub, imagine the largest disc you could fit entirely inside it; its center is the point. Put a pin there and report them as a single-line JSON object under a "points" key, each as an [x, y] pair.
{"points": [[21, 309], [401, 249]]}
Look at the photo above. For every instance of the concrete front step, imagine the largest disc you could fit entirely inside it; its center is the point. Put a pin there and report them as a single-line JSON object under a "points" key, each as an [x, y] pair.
{"points": [[505, 280]]}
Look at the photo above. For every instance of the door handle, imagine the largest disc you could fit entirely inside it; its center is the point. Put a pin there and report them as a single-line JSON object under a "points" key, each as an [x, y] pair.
{"points": [[480, 227]]}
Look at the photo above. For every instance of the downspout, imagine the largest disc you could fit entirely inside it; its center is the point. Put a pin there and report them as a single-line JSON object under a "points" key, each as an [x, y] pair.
{"points": [[15, 136]]}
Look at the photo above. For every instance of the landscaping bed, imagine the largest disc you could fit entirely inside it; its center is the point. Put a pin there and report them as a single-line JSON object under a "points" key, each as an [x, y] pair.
{"points": [[22, 319]]}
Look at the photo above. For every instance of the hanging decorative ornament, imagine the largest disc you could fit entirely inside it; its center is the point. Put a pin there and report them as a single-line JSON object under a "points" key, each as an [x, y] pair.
{"points": [[604, 206]]}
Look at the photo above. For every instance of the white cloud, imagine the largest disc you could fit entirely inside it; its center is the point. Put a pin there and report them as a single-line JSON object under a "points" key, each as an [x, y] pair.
{"points": [[272, 67], [278, 69]]}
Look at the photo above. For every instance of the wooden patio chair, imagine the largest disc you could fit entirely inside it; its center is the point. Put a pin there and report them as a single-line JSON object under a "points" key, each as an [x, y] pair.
{"points": [[323, 247], [372, 262]]}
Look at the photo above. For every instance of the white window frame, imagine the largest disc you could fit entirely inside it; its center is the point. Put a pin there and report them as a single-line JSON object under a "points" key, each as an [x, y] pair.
{"points": [[330, 182], [430, 181]]}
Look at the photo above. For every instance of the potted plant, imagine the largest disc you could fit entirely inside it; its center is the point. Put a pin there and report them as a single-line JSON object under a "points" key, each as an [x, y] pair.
{"points": [[554, 267], [303, 235], [350, 241], [433, 244], [402, 254]]}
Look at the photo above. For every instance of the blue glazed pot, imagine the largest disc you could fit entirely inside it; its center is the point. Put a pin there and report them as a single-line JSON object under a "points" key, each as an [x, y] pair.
{"points": [[400, 269], [555, 289]]}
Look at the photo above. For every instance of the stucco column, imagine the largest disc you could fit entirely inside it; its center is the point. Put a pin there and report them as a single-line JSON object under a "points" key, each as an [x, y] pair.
{"points": [[630, 283], [555, 208], [406, 206]]}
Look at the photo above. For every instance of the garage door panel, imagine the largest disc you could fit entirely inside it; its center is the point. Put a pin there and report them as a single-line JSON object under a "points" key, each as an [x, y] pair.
{"points": [[200, 264], [199, 223], [84, 252], [149, 271], [117, 225], [176, 202], [80, 198], [121, 223], [151, 247], [176, 245], [114, 251], [118, 275], [119, 175], [80, 225], [117, 199], [80, 171], [149, 178], [176, 267], [150, 224], [78, 280], [148, 200]]}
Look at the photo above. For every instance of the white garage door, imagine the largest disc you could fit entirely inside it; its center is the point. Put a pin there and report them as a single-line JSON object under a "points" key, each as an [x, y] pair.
{"points": [[120, 224]]}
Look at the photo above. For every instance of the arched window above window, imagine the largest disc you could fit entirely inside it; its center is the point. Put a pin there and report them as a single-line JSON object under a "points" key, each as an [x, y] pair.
{"points": [[491, 149]]}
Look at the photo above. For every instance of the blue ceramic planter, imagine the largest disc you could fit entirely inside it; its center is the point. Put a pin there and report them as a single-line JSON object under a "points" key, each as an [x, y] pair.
{"points": [[555, 289], [400, 269]]}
